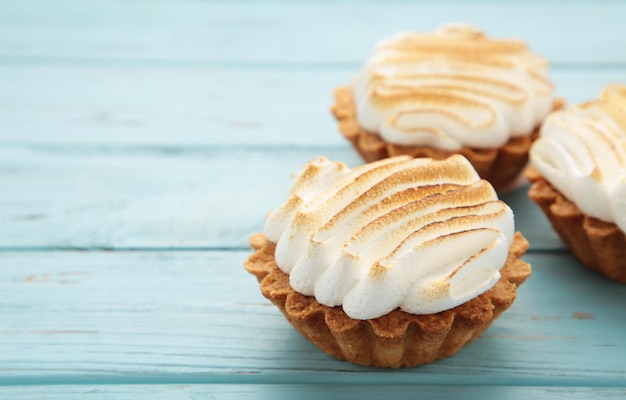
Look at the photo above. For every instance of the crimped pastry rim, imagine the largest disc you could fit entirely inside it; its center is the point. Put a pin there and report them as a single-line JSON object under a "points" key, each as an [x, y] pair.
{"points": [[337, 334], [599, 245]]}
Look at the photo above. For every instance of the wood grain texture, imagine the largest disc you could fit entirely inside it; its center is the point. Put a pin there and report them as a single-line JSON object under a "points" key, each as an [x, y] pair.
{"points": [[92, 197], [187, 107], [277, 31], [306, 392], [198, 317]]}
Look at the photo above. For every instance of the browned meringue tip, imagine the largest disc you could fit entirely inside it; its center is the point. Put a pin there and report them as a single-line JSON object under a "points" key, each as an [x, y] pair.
{"points": [[500, 166], [395, 340], [599, 245]]}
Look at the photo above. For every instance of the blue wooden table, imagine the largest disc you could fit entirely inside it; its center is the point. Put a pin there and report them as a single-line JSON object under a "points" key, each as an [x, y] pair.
{"points": [[142, 142]]}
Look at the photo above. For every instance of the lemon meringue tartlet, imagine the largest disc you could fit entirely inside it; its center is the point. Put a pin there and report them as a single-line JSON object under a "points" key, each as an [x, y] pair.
{"points": [[454, 91], [578, 170], [394, 263]]}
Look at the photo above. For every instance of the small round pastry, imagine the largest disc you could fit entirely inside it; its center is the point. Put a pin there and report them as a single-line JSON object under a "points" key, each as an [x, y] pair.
{"points": [[394, 263], [454, 91], [578, 175]]}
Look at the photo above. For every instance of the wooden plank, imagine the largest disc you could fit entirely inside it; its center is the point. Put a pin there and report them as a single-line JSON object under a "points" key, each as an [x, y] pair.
{"points": [[35, 31], [91, 197], [190, 107], [306, 392], [98, 318], [167, 106]]}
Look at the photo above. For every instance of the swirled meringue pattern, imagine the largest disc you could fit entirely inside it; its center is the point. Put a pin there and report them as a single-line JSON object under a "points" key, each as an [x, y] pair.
{"points": [[416, 234], [582, 153], [451, 89]]}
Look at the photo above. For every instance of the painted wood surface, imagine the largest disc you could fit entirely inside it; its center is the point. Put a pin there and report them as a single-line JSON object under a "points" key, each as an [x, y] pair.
{"points": [[142, 142], [191, 32], [65, 197], [306, 392], [198, 317]]}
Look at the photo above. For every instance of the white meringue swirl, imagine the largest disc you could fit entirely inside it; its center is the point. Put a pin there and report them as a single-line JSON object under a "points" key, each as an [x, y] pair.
{"points": [[416, 234], [582, 153], [451, 89]]}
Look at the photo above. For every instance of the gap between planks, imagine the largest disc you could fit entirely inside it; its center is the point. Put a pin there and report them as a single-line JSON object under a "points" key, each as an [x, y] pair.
{"points": [[23, 61], [95, 249]]}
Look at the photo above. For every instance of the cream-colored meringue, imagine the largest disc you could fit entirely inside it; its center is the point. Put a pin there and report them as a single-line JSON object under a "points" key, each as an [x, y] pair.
{"points": [[582, 153], [416, 234], [452, 88]]}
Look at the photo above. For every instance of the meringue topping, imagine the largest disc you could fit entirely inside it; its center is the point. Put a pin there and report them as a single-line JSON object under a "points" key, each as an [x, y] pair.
{"points": [[416, 234], [582, 153], [452, 88]]}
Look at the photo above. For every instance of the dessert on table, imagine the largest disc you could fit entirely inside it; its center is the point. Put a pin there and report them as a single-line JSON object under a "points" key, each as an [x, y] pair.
{"points": [[454, 91], [394, 263], [578, 170]]}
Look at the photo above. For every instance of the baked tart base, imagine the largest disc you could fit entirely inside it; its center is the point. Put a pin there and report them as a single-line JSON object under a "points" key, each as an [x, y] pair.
{"points": [[397, 339], [599, 245]]}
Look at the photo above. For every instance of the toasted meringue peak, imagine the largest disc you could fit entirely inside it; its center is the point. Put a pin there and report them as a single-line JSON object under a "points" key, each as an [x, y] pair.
{"points": [[582, 152], [452, 88], [416, 234]]}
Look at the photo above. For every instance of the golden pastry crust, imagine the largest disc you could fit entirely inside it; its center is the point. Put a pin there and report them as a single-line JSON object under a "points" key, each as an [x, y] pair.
{"points": [[395, 340], [599, 245], [499, 166]]}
